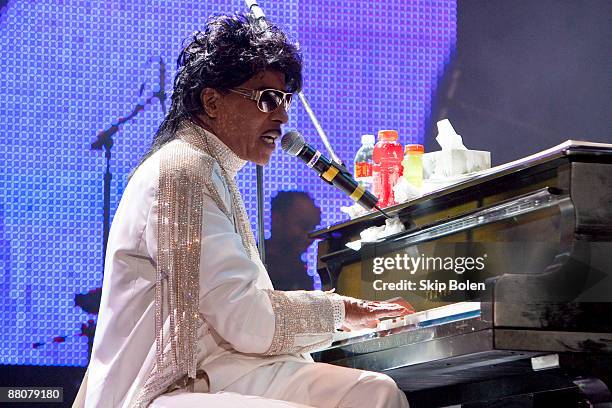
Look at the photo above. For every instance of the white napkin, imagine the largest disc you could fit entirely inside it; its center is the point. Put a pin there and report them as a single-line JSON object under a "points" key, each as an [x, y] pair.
{"points": [[447, 138], [354, 210], [373, 234]]}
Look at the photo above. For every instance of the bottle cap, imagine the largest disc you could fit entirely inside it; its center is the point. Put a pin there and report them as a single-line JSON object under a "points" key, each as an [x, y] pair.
{"points": [[414, 148], [387, 135], [368, 139]]}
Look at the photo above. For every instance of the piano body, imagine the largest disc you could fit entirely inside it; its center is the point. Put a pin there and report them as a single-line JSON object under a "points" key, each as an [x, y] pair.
{"points": [[536, 329]]}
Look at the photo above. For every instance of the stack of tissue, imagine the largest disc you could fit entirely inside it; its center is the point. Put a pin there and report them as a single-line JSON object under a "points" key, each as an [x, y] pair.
{"points": [[454, 159]]}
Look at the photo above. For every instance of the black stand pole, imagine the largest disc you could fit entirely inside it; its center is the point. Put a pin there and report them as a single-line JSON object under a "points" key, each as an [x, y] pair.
{"points": [[105, 141], [261, 243], [107, 189]]}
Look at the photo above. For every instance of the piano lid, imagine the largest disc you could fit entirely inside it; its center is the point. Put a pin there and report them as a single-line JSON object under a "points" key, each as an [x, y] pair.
{"points": [[568, 150]]}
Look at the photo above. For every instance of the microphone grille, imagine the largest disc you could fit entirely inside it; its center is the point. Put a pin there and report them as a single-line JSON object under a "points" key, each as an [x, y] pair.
{"points": [[292, 142]]}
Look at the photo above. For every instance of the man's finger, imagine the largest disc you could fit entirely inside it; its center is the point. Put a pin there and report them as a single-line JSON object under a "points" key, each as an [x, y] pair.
{"points": [[394, 312], [402, 302], [371, 324]]}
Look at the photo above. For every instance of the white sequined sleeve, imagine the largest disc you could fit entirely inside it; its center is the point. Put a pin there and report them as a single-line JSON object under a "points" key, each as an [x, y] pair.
{"points": [[338, 309], [251, 319], [304, 320]]}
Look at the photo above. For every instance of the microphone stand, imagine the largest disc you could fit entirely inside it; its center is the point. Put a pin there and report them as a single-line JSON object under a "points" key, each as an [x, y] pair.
{"points": [[260, 221], [105, 141], [325, 140], [262, 24], [260, 19], [319, 128]]}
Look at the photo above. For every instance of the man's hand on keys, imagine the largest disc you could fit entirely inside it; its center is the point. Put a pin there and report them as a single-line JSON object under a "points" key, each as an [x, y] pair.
{"points": [[366, 314]]}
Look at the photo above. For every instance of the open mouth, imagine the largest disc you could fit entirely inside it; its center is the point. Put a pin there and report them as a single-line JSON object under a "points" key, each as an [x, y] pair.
{"points": [[270, 137]]}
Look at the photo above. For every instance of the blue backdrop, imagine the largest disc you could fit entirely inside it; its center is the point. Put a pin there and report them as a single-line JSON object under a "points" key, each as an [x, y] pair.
{"points": [[70, 68]]}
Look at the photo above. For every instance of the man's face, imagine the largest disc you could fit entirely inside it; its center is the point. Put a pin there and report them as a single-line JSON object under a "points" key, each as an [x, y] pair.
{"points": [[243, 127], [293, 225]]}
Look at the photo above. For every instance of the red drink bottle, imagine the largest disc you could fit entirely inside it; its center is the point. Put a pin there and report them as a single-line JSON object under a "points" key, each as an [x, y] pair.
{"points": [[387, 168]]}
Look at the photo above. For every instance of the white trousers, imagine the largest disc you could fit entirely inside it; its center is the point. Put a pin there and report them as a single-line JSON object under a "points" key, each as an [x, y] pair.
{"points": [[297, 385]]}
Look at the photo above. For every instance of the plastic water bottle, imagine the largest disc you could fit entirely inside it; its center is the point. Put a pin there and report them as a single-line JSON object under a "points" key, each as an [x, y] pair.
{"points": [[363, 162], [387, 167]]}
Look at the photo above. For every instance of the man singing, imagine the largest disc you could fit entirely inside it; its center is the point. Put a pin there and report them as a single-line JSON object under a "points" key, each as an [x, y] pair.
{"points": [[188, 316]]}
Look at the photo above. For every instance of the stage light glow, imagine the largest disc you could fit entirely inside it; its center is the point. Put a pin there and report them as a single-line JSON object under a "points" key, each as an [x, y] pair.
{"points": [[70, 69]]}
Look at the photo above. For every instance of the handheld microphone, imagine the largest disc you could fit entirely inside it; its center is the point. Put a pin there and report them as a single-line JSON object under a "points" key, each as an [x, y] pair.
{"points": [[330, 171]]}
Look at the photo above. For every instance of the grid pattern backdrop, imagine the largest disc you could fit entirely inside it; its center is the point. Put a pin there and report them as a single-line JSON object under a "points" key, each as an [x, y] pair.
{"points": [[70, 68]]}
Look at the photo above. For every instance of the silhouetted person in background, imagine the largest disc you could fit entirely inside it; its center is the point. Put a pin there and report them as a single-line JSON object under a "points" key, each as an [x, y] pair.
{"points": [[294, 215]]}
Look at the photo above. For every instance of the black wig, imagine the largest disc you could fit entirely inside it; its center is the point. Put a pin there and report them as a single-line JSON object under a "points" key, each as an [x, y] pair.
{"points": [[230, 51]]}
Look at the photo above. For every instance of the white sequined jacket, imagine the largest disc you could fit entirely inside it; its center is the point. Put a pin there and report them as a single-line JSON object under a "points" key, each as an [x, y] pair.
{"points": [[184, 289]]}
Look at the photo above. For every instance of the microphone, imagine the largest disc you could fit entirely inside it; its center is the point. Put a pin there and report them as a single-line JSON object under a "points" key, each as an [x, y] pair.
{"points": [[330, 171]]}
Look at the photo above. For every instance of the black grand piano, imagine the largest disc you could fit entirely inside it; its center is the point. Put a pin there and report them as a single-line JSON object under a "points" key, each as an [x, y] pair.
{"points": [[532, 327]]}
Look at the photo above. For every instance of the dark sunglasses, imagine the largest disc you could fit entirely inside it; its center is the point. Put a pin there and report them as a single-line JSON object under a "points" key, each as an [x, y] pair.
{"points": [[268, 100]]}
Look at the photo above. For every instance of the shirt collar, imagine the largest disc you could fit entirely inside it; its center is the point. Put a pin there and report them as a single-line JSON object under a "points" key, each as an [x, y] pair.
{"points": [[204, 140]]}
